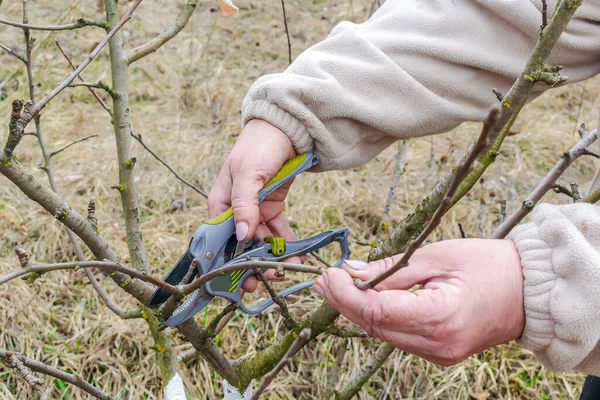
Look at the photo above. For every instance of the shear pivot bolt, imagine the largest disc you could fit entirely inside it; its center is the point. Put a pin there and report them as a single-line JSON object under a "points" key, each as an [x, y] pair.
{"points": [[209, 255]]}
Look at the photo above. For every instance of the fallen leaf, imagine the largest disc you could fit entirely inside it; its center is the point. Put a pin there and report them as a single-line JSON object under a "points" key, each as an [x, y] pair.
{"points": [[480, 395], [227, 8]]}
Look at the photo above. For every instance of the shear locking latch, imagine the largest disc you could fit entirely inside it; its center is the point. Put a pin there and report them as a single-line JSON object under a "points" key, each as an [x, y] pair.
{"points": [[277, 245]]}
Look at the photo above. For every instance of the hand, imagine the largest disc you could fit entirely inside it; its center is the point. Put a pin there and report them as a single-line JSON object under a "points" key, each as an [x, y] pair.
{"points": [[258, 154], [471, 299]]}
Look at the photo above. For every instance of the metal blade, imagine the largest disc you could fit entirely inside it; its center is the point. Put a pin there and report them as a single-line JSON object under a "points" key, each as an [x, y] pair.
{"points": [[193, 304], [174, 277], [239, 249]]}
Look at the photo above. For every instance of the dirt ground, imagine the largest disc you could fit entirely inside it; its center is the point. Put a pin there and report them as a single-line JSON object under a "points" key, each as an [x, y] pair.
{"points": [[185, 102]]}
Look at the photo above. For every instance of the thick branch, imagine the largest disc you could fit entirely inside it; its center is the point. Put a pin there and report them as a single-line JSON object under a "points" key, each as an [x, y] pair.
{"points": [[302, 339], [545, 184], [461, 172], [398, 172], [57, 207], [365, 372], [512, 103], [169, 33], [80, 23], [42, 368], [122, 129]]}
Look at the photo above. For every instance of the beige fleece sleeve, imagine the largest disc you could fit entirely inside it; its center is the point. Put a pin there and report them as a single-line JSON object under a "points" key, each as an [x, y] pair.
{"points": [[417, 67], [559, 250]]}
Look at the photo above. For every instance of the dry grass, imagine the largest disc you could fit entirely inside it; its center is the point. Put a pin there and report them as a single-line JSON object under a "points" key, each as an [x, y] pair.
{"points": [[185, 101]]}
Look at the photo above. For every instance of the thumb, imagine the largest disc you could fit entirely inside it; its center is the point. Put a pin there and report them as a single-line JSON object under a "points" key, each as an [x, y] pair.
{"points": [[419, 270]]}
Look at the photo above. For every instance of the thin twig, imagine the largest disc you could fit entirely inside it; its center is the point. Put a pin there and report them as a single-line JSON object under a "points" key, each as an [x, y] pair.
{"points": [[398, 172], [502, 214], [55, 152], [211, 330], [461, 171], [347, 333], [301, 340], [545, 184], [102, 103], [12, 52], [114, 307], [163, 162], [462, 231], [287, 33], [575, 191], [45, 369], [32, 380], [285, 312], [544, 14], [252, 264], [558, 188], [80, 23], [104, 265], [46, 99]]}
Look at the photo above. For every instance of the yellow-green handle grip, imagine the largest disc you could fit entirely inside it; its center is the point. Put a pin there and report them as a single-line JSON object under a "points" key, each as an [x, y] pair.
{"points": [[291, 168]]}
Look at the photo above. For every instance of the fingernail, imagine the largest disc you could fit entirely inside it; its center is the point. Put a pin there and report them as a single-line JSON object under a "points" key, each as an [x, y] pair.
{"points": [[319, 291], [325, 279], [241, 230], [357, 264]]}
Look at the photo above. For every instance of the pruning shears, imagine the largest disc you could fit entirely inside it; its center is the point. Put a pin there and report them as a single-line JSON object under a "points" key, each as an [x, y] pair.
{"points": [[214, 245]]}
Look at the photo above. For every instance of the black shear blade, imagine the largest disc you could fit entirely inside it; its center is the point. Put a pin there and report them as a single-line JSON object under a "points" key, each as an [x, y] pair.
{"points": [[174, 277]]}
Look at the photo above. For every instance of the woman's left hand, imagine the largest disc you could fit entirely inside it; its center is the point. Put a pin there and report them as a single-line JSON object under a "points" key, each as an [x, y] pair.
{"points": [[471, 298]]}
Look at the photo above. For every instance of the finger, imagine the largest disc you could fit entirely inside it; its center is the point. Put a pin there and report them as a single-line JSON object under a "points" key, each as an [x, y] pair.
{"points": [[244, 200], [420, 270], [280, 226], [219, 197], [390, 309]]}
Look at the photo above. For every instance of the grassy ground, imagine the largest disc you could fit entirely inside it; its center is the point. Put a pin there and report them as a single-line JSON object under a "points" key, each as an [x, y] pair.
{"points": [[185, 101]]}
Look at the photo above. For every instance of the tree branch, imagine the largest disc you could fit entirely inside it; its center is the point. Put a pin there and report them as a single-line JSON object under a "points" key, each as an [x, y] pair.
{"points": [[57, 207], [398, 172], [461, 172], [36, 383], [169, 33], [287, 32], [163, 162], [360, 377], [102, 103], [80, 23], [55, 152], [12, 52], [285, 312], [545, 184], [302, 339], [42, 368], [512, 103], [122, 129], [334, 373]]}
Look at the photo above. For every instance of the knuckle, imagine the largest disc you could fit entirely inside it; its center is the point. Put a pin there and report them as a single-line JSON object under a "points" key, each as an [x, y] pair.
{"points": [[372, 315]]}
